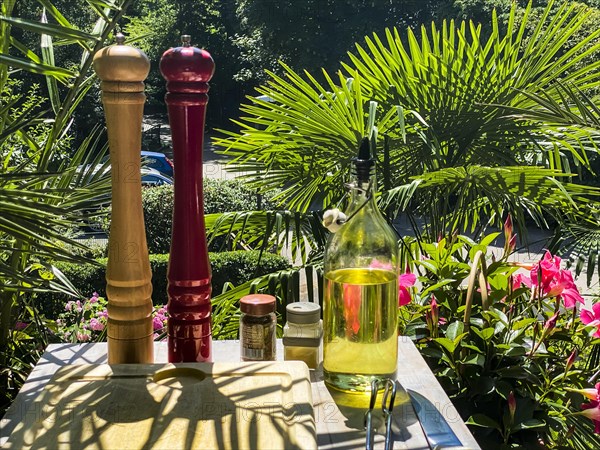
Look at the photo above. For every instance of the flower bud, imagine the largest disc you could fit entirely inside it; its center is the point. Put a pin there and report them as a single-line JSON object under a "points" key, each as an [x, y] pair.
{"points": [[434, 311], [571, 360], [512, 243], [551, 322], [508, 227], [512, 405]]}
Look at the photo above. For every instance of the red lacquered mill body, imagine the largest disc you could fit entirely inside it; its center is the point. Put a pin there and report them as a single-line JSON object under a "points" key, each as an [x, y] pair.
{"points": [[187, 71]]}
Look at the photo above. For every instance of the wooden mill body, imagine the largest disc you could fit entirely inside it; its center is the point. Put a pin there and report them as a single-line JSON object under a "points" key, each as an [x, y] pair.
{"points": [[122, 70], [187, 70]]}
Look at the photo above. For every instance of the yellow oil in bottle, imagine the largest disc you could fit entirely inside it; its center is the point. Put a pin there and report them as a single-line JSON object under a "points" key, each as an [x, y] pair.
{"points": [[360, 327]]}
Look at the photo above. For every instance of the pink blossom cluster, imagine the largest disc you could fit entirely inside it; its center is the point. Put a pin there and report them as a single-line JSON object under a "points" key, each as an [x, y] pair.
{"points": [[549, 280], [83, 320], [159, 321]]}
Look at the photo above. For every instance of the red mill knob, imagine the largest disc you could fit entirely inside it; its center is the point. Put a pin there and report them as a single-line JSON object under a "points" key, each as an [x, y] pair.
{"points": [[122, 70], [187, 71]]}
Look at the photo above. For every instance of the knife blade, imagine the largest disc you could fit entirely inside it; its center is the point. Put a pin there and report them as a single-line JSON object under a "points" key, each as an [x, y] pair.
{"points": [[434, 425]]}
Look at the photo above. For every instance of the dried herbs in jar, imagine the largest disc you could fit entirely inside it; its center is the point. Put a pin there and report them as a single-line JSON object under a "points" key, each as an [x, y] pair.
{"points": [[257, 327]]}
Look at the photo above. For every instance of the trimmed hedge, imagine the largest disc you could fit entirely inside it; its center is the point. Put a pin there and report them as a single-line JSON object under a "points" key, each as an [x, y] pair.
{"points": [[219, 196], [235, 267]]}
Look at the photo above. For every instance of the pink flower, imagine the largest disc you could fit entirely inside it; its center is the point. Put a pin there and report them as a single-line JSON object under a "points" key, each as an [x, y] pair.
{"points": [[591, 410], [78, 306], [68, 306], [591, 393], [376, 264], [545, 271], [102, 314], [554, 282], [94, 300], [96, 325], [20, 325], [592, 318], [83, 337], [519, 280], [157, 323], [405, 281], [568, 290]]}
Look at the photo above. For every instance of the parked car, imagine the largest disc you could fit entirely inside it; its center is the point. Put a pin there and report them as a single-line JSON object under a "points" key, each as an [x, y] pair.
{"points": [[158, 161], [150, 178]]}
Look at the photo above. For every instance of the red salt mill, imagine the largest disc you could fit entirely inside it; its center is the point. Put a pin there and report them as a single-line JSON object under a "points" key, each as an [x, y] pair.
{"points": [[187, 70]]}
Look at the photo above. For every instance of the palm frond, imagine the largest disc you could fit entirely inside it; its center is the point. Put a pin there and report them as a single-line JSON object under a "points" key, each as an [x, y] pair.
{"points": [[305, 139], [296, 234], [285, 285]]}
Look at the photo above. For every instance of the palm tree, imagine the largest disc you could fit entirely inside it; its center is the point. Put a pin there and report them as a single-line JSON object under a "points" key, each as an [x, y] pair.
{"points": [[452, 152], [42, 196], [573, 117], [442, 102]]}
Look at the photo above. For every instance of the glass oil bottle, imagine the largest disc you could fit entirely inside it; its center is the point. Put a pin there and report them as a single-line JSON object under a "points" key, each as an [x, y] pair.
{"points": [[360, 307]]}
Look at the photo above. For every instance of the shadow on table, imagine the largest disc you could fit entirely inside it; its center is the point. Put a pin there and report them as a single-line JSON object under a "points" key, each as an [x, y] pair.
{"points": [[167, 407], [353, 407]]}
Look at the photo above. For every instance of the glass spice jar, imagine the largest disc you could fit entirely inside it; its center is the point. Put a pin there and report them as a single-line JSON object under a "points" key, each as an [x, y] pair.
{"points": [[302, 333], [257, 327]]}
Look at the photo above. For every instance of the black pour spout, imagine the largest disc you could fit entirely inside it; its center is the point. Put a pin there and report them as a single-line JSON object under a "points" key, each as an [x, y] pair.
{"points": [[364, 161]]}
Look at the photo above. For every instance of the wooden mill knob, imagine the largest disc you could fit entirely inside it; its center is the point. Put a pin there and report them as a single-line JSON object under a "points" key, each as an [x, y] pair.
{"points": [[187, 70], [122, 70]]}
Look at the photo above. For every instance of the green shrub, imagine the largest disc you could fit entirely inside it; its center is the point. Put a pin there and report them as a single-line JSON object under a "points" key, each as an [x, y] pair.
{"points": [[219, 196], [157, 203], [235, 267]]}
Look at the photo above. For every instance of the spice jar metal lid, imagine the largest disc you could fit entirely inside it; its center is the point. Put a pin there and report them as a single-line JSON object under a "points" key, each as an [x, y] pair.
{"points": [[303, 312], [258, 304]]}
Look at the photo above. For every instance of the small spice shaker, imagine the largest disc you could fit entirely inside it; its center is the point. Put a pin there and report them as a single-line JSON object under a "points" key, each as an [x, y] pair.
{"points": [[302, 333], [257, 327]]}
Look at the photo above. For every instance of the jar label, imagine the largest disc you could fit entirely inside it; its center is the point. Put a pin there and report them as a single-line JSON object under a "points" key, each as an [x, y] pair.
{"points": [[257, 342]]}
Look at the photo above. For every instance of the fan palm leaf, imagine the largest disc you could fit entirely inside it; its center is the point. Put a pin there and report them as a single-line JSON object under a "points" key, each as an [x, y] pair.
{"points": [[441, 100]]}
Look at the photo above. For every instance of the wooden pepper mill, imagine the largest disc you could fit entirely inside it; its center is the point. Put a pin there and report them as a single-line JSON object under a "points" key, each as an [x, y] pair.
{"points": [[122, 70], [187, 70]]}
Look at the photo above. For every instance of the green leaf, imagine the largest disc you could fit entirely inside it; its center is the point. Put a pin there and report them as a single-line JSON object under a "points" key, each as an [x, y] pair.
{"points": [[481, 420], [529, 424], [475, 360], [57, 31], [446, 343], [436, 286], [454, 330], [59, 73], [48, 58], [486, 334], [519, 324]]}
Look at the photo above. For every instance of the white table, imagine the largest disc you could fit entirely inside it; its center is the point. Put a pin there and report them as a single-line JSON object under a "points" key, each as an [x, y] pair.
{"points": [[339, 426]]}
